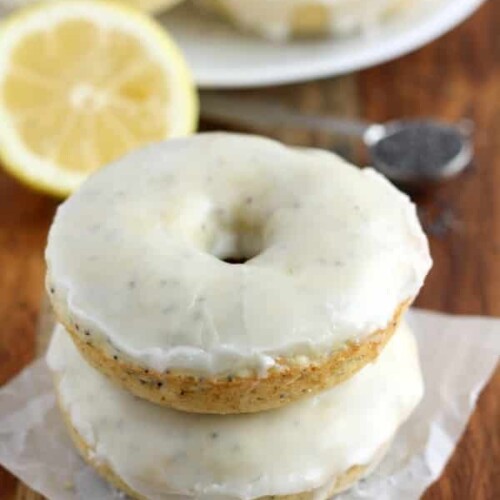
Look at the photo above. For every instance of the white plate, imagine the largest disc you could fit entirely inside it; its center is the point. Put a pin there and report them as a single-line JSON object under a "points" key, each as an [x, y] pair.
{"points": [[221, 56]]}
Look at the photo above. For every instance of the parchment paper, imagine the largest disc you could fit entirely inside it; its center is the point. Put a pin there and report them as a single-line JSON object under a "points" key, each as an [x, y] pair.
{"points": [[458, 355]]}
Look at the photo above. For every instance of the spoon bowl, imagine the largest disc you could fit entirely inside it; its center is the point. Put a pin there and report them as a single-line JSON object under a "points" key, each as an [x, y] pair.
{"points": [[419, 152]]}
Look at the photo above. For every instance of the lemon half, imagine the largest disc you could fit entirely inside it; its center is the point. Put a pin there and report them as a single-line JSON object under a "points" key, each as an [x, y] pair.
{"points": [[81, 84]]}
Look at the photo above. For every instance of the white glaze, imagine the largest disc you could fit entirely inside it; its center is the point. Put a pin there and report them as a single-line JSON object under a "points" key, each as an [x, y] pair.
{"points": [[159, 451], [273, 19], [130, 255]]}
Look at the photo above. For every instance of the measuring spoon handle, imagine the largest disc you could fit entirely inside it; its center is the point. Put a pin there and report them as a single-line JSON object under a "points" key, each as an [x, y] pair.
{"points": [[260, 114]]}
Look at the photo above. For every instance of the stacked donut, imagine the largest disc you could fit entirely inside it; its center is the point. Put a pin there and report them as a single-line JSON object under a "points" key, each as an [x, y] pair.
{"points": [[230, 319]]}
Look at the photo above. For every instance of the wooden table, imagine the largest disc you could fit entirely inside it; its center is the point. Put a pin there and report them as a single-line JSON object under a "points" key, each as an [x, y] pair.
{"points": [[456, 76]]}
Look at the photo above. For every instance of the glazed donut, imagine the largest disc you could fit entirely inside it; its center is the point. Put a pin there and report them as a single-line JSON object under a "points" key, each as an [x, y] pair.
{"points": [[309, 449], [226, 273], [282, 19]]}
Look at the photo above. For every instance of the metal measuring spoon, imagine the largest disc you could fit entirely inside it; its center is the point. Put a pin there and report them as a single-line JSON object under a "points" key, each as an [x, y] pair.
{"points": [[411, 152]]}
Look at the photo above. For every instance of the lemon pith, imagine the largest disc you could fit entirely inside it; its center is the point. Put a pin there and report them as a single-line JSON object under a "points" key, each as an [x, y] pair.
{"points": [[153, 5]]}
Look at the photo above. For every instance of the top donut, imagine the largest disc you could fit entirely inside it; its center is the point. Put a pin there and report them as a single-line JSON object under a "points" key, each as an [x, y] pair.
{"points": [[226, 273]]}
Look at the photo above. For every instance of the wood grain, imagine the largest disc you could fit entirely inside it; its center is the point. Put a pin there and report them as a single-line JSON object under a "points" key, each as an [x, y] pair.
{"points": [[24, 220], [456, 76]]}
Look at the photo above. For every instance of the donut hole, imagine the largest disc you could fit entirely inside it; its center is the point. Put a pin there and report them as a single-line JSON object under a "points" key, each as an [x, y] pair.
{"points": [[238, 243], [238, 238], [233, 233], [235, 260]]}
